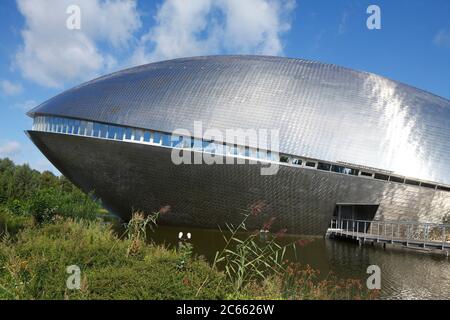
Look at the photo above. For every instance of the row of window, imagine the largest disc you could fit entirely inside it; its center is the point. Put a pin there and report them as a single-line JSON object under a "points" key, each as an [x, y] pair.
{"points": [[106, 131], [356, 172], [319, 165]]}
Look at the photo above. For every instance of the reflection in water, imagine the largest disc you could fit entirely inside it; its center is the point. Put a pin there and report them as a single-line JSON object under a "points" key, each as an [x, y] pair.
{"points": [[405, 274]]}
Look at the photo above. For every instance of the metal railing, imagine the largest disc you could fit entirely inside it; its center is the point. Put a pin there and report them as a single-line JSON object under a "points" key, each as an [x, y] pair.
{"points": [[394, 230]]}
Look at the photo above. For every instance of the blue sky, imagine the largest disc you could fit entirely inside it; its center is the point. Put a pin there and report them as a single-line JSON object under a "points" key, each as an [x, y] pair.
{"points": [[40, 57]]}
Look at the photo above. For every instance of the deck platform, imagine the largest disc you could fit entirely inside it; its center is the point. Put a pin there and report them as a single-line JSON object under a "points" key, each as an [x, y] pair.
{"points": [[418, 236]]}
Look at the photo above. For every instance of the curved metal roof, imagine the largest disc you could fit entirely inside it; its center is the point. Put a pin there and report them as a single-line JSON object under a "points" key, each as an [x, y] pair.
{"points": [[322, 111]]}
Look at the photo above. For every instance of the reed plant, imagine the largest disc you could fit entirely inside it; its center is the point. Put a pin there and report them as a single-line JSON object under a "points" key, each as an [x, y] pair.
{"points": [[249, 259], [136, 230]]}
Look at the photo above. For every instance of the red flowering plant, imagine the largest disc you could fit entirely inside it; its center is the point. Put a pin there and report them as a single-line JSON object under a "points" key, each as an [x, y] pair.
{"points": [[164, 209], [281, 233], [304, 283], [304, 242], [257, 207], [268, 224]]}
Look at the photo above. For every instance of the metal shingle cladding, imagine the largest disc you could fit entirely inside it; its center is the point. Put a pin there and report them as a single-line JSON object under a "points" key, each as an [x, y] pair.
{"points": [[322, 111]]}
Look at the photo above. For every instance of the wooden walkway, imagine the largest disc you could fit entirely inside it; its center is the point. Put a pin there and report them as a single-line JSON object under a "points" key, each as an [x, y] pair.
{"points": [[408, 235]]}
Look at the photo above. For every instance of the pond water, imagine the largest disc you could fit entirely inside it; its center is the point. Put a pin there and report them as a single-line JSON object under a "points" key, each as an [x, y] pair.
{"points": [[404, 274]]}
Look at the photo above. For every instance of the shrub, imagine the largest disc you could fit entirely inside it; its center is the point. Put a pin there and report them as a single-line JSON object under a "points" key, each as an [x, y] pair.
{"points": [[43, 195], [156, 280], [43, 206], [34, 267], [17, 207], [11, 223]]}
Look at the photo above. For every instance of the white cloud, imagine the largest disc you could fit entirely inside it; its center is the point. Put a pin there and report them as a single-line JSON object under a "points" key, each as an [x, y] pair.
{"points": [[442, 38], [9, 88], [42, 164], [25, 106], [343, 24], [52, 54], [10, 148], [256, 25], [26, 153], [201, 27]]}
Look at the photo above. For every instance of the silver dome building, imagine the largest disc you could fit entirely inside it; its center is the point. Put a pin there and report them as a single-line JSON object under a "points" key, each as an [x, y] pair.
{"points": [[349, 142]]}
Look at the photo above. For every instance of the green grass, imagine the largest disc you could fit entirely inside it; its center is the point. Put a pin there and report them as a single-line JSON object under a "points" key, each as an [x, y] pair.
{"points": [[34, 266]]}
